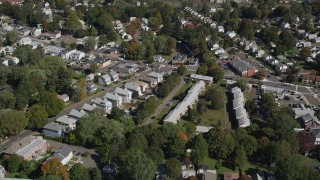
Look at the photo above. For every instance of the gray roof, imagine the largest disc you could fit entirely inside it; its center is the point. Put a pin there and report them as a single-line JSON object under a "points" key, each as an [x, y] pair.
{"points": [[114, 97], [54, 126], [306, 118], [102, 102], [240, 112], [315, 132], [88, 107], [201, 77], [65, 120], [154, 74], [24, 145], [148, 79], [77, 114], [240, 65], [122, 91], [272, 89], [61, 154], [132, 86]]}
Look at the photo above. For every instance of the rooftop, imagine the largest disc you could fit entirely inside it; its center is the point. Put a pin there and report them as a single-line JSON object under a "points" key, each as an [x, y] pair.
{"points": [[54, 126]]}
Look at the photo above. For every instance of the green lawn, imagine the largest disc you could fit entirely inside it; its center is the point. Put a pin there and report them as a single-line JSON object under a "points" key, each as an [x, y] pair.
{"points": [[74, 158], [249, 95], [214, 117], [311, 163]]}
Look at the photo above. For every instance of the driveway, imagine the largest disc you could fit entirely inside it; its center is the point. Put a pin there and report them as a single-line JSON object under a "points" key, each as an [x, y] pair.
{"points": [[88, 162]]}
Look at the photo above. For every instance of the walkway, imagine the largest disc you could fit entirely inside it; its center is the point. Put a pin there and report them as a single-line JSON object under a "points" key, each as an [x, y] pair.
{"points": [[164, 102]]}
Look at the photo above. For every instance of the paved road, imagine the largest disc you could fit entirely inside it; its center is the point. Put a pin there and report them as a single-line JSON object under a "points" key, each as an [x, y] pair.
{"points": [[164, 102]]}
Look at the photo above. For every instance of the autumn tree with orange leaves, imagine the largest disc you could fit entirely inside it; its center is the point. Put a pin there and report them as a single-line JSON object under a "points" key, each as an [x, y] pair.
{"points": [[54, 167]]}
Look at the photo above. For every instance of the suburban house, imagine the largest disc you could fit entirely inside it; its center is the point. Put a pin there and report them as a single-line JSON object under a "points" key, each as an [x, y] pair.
{"points": [[91, 87], [202, 129], [105, 80], [309, 121], [35, 44], [125, 68], [64, 97], [281, 67], [55, 51], [125, 94], [238, 107], [179, 59], [102, 62], [158, 58], [278, 92], [64, 155], [74, 55], [187, 169], [191, 98], [243, 68], [90, 77], [77, 114], [115, 99], [193, 62], [28, 148], [144, 86], [203, 173], [103, 103], [152, 82], [88, 107], [69, 123], [198, 77], [316, 134], [54, 129], [157, 76], [309, 79], [134, 88], [114, 76]]}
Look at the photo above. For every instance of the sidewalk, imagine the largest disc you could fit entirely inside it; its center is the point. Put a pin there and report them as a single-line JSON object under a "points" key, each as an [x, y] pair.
{"points": [[164, 102]]}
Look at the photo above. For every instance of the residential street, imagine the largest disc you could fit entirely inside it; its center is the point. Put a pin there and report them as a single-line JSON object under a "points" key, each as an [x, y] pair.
{"points": [[164, 102]]}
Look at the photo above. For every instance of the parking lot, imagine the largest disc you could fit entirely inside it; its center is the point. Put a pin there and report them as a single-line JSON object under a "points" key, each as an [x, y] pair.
{"points": [[88, 162]]}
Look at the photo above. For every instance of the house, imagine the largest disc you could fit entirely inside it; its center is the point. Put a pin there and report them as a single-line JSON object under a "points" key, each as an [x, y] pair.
{"points": [[187, 168], [55, 51], [114, 76], [64, 97], [28, 148], [9, 50], [69, 123], [231, 34], [202, 129], [24, 41], [102, 62], [278, 92], [213, 45], [157, 76], [220, 29], [243, 68], [91, 87], [74, 55], [134, 88], [90, 77], [64, 155], [77, 114], [309, 79], [112, 50], [179, 59], [144, 86], [125, 94], [302, 110], [54, 129], [35, 44], [36, 32], [193, 62], [316, 134], [285, 25], [238, 106], [13, 2], [198, 77], [259, 53], [115, 99], [158, 58], [152, 82], [309, 121], [191, 98], [24, 32], [88, 107], [2, 172], [105, 80], [231, 176], [125, 68], [203, 173], [281, 67], [104, 104]]}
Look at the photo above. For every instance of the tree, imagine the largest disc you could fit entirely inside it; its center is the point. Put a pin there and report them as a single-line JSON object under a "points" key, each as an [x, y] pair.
{"points": [[54, 167], [86, 129], [94, 67], [190, 129], [51, 103], [12, 122], [173, 168], [240, 157], [192, 114], [176, 148], [305, 53], [216, 96], [73, 22], [11, 37], [182, 70], [95, 174], [13, 163], [291, 168], [221, 142], [288, 39], [137, 140], [81, 91], [78, 172], [7, 100], [155, 154], [279, 151], [4, 74], [242, 84], [200, 149], [250, 106], [136, 165], [117, 114], [216, 72], [154, 23], [90, 43], [37, 116], [261, 74], [202, 106]]}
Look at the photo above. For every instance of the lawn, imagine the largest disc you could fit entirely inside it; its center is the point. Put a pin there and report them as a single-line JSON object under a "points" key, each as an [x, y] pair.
{"points": [[74, 158], [311, 163], [249, 95], [214, 117]]}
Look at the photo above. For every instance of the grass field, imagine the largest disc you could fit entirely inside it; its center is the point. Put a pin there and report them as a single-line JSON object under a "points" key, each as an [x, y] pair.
{"points": [[249, 95]]}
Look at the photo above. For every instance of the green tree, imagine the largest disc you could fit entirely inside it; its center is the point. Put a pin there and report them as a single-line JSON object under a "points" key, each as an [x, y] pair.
{"points": [[78, 172], [192, 114], [137, 140], [216, 96], [13, 163], [305, 53], [117, 114], [86, 128], [12, 122], [37, 116], [7, 100], [95, 174], [11, 37], [291, 168], [288, 39], [155, 154], [90, 43], [73, 22], [176, 148], [240, 157], [136, 165], [154, 23], [279, 151], [51, 103], [173, 168], [182, 70], [242, 84], [200, 150], [94, 67], [4, 73], [221, 142]]}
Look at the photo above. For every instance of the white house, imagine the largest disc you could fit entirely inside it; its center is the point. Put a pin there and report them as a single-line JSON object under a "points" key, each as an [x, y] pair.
{"points": [[64, 155], [74, 55], [104, 80], [285, 25], [231, 34], [77, 114], [157, 76], [24, 41], [125, 94], [104, 104], [158, 58], [64, 97], [88, 107], [144, 86], [220, 29], [2, 172], [115, 99], [70, 123], [90, 77], [134, 88], [114, 76], [281, 67]]}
